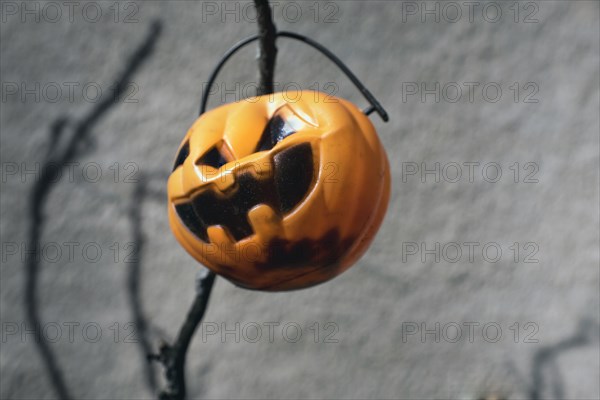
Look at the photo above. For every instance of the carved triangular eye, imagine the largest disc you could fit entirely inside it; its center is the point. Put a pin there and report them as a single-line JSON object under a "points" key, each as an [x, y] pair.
{"points": [[182, 155], [213, 157], [276, 130]]}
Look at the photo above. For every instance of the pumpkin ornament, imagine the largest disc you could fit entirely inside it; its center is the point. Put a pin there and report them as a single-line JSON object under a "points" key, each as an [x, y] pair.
{"points": [[281, 191]]}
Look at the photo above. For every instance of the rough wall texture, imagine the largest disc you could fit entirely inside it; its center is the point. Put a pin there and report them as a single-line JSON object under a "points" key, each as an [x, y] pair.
{"points": [[380, 308]]}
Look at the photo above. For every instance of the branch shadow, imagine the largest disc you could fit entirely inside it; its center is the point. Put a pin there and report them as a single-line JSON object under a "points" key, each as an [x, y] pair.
{"points": [[143, 327], [134, 279], [545, 364], [56, 159]]}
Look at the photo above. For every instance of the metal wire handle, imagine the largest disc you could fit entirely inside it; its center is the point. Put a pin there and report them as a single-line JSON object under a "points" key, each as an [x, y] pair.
{"points": [[375, 106]]}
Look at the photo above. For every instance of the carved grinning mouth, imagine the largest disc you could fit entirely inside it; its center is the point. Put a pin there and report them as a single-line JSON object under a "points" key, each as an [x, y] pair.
{"points": [[282, 190]]}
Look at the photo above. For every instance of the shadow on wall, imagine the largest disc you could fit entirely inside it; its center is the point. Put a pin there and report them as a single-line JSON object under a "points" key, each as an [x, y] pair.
{"points": [[546, 380], [58, 157]]}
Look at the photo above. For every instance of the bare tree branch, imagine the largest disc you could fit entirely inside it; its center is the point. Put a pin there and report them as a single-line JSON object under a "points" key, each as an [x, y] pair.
{"points": [[173, 356], [268, 50]]}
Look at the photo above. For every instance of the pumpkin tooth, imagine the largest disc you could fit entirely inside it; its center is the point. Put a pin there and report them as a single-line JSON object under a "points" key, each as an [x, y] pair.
{"points": [[265, 221], [219, 236]]}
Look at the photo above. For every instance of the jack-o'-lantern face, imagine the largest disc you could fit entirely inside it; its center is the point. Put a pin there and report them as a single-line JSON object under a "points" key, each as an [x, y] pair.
{"points": [[281, 191]]}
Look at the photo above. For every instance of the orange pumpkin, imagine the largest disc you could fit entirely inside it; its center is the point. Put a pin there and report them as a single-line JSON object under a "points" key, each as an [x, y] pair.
{"points": [[281, 191]]}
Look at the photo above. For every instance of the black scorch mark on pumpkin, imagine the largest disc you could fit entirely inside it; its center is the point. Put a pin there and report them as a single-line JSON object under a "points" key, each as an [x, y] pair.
{"points": [[291, 181], [304, 262], [325, 251]]}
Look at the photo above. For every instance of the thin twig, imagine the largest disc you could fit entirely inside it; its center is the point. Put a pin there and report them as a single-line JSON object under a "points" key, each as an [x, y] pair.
{"points": [[173, 356], [59, 159], [268, 50]]}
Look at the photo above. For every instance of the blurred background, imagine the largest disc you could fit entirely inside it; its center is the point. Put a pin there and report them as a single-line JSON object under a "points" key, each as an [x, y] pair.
{"points": [[481, 283]]}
